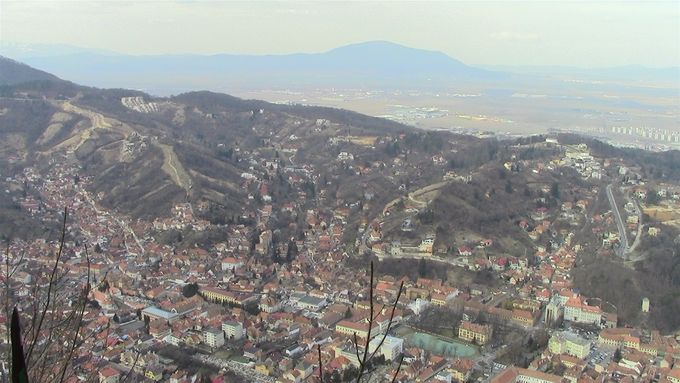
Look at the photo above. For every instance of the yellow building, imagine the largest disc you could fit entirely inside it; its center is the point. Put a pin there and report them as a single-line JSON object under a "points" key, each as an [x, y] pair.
{"points": [[155, 374], [350, 328], [414, 292], [217, 295], [426, 246], [438, 299], [262, 369], [472, 332], [461, 369], [630, 338], [569, 343]]}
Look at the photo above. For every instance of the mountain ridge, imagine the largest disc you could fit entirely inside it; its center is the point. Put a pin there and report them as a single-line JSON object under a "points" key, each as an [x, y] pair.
{"points": [[190, 147], [14, 72], [375, 63]]}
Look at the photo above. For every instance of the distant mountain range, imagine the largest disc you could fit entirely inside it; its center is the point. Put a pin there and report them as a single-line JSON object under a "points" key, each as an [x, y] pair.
{"points": [[376, 63]]}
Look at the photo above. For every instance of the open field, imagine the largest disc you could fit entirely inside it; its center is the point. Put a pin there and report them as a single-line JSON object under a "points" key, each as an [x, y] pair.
{"points": [[610, 110]]}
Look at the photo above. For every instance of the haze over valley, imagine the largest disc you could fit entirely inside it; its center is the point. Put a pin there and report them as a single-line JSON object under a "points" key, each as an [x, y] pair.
{"points": [[632, 106], [367, 211]]}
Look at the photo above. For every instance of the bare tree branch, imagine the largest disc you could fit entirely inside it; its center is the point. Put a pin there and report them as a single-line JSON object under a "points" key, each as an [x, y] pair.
{"points": [[49, 288], [86, 292], [318, 349], [356, 348], [401, 360], [134, 363], [362, 365], [391, 321], [7, 297]]}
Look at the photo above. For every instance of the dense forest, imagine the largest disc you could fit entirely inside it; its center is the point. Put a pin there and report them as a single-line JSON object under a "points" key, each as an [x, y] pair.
{"points": [[657, 277]]}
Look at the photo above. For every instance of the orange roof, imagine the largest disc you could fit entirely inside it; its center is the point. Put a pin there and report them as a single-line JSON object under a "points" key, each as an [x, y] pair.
{"points": [[675, 373], [382, 286], [474, 327], [522, 314], [108, 372]]}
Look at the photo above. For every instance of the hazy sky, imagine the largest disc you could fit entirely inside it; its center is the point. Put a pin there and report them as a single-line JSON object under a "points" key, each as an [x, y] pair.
{"points": [[579, 33]]}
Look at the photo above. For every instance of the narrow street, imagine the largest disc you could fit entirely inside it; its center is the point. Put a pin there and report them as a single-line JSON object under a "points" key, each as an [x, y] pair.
{"points": [[622, 249]]}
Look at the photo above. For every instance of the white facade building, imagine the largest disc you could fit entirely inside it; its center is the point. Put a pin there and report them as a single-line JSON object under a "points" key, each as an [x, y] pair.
{"points": [[213, 337], [391, 348], [233, 330]]}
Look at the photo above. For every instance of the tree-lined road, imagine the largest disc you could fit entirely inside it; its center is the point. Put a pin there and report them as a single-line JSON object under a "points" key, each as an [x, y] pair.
{"points": [[622, 249]]}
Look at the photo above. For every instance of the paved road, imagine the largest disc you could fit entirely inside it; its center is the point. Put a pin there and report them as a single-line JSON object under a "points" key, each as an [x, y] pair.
{"points": [[623, 247], [640, 228]]}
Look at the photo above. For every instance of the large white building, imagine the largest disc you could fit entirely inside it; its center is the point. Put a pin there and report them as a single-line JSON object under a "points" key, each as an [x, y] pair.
{"points": [[391, 348], [419, 305], [213, 337], [153, 312], [233, 330], [231, 263], [577, 311], [645, 305], [311, 303], [569, 343]]}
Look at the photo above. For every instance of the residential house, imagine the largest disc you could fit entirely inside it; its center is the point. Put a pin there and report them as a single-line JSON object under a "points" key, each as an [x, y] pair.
{"points": [[461, 369], [109, 375]]}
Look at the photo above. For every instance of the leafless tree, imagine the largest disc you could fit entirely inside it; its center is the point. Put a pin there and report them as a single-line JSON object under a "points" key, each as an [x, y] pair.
{"points": [[366, 357], [48, 329]]}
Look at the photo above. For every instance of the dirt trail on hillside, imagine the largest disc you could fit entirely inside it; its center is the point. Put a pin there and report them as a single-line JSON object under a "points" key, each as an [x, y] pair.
{"points": [[173, 167], [98, 121]]}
